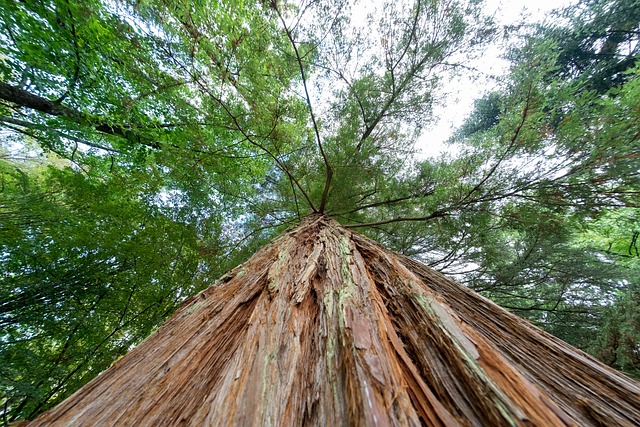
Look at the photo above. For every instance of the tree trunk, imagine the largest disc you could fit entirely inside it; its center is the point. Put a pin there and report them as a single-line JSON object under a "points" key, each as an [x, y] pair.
{"points": [[324, 327]]}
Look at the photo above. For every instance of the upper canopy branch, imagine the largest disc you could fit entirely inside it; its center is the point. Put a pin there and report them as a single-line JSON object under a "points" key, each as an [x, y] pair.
{"points": [[327, 184], [512, 143], [436, 214]]}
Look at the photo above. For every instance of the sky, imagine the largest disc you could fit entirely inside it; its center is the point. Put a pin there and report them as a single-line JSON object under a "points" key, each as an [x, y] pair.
{"points": [[463, 91]]}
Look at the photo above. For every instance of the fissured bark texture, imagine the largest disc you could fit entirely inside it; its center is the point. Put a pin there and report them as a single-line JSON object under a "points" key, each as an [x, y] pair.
{"points": [[324, 327]]}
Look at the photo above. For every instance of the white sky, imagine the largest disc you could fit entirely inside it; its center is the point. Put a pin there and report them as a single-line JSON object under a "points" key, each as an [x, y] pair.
{"points": [[462, 92]]}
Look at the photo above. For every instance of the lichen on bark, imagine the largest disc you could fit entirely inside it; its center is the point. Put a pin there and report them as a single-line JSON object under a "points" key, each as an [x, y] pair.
{"points": [[325, 327]]}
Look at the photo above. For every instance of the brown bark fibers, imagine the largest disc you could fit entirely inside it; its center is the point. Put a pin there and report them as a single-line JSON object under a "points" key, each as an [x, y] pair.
{"points": [[324, 327]]}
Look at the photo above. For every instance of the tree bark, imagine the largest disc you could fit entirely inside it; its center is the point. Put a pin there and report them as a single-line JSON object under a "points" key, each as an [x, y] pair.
{"points": [[324, 327]]}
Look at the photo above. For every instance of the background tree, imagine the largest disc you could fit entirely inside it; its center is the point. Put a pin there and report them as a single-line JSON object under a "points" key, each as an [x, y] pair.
{"points": [[572, 168]]}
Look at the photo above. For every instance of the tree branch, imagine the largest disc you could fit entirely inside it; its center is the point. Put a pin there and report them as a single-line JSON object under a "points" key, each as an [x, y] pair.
{"points": [[437, 214], [26, 99], [76, 48], [263, 148], [390, 201], [327, 184], [26, 124], [512, 143]]}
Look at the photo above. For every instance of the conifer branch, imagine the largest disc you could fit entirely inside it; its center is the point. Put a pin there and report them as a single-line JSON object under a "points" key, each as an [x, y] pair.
{"points": [[23, 98], [327, 184], [25, 124], [437, 214]]}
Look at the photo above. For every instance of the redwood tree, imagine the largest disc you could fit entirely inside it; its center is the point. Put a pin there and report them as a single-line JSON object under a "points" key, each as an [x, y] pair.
{"points": [[325, 327], [149, 146]]}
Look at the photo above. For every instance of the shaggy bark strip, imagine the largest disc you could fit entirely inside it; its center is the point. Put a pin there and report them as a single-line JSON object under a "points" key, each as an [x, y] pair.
{"points": [[325, 327]]}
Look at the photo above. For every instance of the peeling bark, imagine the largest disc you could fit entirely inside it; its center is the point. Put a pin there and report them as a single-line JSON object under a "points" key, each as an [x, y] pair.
{"points": [[325, 327]]}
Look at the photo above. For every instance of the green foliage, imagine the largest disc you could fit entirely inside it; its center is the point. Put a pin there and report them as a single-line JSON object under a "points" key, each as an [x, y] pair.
{"points": [[617, 340], [485, 115], [559, 249], [600, 42], [89, 268]]}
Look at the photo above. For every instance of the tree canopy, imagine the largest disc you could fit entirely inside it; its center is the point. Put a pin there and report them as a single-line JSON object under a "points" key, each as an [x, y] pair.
{"points": [[149, 146]]}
